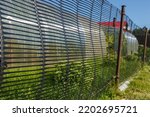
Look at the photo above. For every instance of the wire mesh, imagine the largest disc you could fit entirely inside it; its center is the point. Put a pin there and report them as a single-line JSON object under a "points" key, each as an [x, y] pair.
{"points": [[131, 60], [59, 49]]}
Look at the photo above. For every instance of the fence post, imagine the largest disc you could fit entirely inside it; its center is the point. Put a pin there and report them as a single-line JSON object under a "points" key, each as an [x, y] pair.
{"points": [[119, 46], [114, 26], [145, 45], [114, 22]]}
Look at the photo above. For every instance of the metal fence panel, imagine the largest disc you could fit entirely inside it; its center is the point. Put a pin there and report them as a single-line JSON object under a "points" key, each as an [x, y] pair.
{"points": [[57, 49]]}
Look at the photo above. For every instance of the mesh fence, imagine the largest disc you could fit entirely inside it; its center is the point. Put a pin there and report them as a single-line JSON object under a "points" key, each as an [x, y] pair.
{"points": [[140, 34], [62, 49], [131, 59]]}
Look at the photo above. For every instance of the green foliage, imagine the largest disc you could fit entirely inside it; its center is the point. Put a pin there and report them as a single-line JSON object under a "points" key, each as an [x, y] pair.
{"points": [[73, 80], [110, 43], [124, 46], [138, 88], [110, 50], [148, 55], [71, 72], [20, 83], [139, 31], [141, 52], [131, 57]]}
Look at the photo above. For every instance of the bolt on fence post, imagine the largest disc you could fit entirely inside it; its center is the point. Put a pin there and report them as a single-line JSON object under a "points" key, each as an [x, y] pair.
{"points": [[145, 46], [119, 46]]}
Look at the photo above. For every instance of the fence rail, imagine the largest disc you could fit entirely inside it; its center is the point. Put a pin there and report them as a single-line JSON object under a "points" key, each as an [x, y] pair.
{"points": [[62, 49]]}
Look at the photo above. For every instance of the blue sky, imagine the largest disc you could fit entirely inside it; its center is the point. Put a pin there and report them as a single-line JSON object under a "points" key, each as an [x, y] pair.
{"points": [[137, 10]]}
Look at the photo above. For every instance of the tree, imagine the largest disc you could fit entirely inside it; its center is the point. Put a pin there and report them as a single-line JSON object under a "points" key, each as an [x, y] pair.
{"points": [[140, 31]]}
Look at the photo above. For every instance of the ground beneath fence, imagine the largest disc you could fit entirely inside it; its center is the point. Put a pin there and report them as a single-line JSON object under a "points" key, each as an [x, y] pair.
{"points": [[138, 88]]}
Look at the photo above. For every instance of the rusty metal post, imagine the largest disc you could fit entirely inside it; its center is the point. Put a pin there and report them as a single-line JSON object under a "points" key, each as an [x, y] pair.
{"points": [[145, 46], [114, 22], [114, 25], [120, 46]]}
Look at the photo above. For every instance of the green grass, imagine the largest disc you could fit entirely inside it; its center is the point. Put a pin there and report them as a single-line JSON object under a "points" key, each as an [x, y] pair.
{"points": [[138, 89], [75, 81], [78, 83]]}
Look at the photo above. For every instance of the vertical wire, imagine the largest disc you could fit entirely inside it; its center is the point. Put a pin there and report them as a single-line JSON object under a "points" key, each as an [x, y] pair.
{"points": [[67, 50], [101, 38], [115, 36], [43, 50], [110, 14], [1, 51], [82, 50], [93, 50]]}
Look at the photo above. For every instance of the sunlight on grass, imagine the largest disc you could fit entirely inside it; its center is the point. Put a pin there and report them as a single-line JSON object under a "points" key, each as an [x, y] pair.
{"points": [[138, 89]]}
